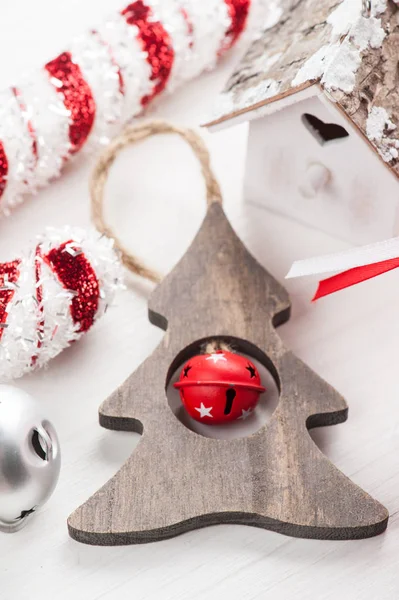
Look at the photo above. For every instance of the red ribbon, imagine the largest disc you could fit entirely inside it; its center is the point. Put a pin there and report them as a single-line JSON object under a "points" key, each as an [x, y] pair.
{"points": [[353, 276]]}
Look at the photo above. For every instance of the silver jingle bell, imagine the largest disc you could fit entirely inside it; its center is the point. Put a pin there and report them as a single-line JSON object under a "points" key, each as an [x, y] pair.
{"points": [[30, 458]]}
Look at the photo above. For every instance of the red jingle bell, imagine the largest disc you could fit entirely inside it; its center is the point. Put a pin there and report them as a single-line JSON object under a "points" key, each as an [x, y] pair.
{"points": [[219, 387]]}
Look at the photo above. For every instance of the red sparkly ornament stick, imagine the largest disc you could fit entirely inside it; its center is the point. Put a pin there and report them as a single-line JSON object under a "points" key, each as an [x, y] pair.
{"points": [[68, 80], [156, 44], [9, 274], [51, 297], [105, 78]]}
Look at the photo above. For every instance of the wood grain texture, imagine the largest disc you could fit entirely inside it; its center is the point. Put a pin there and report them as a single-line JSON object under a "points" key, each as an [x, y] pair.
{"points": [[377, 86], [268, 71], [177, 480]]}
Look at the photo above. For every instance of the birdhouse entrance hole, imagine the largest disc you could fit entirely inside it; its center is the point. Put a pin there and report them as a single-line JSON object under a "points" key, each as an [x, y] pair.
{"points": [[324, 133], [235, 429]]}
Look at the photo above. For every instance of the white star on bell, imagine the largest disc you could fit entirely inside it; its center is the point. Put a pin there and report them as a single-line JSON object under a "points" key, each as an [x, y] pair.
{"points": [[204, 411], [216, 357], [245, 414]]}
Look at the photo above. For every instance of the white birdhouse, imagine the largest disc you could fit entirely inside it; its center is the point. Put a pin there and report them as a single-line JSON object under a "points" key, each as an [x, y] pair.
{"points": [[321, 92]]}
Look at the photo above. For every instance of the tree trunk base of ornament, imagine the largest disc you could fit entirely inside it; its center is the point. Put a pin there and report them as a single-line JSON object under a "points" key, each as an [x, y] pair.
{"points": [[177, 480]]}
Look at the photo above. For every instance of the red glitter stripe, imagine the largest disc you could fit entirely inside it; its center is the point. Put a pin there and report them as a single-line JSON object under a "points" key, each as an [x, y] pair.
{"points": [[31, 129], [76, 274], [113, 60], [238, 11], [155, 41], [189, 25], [77, 96], [3, 169], [9, 272], [39, 298]]}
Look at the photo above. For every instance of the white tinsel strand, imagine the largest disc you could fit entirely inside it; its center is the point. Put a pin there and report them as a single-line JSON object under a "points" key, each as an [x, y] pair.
{"points": [[98, 67], [46, 110], [119, 73], [35, 331], [18, 145]]}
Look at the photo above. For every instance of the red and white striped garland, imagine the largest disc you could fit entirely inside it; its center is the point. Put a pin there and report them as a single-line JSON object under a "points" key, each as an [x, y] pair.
{"points": [[106, 77], [52, 296]]}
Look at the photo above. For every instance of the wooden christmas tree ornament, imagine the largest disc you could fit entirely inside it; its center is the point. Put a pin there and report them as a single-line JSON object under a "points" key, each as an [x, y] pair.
{"points": [[177, 480]]}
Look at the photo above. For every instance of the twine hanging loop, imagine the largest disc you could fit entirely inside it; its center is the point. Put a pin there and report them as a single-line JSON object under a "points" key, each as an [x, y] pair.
{"points": [[129, 136]]}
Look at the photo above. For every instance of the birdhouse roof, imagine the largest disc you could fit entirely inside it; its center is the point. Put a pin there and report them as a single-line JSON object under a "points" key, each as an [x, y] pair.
{"points": [[345, 49]]}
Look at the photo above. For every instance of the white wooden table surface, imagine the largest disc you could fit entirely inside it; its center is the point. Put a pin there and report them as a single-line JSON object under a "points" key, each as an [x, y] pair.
{"points": [[155, 199]]}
